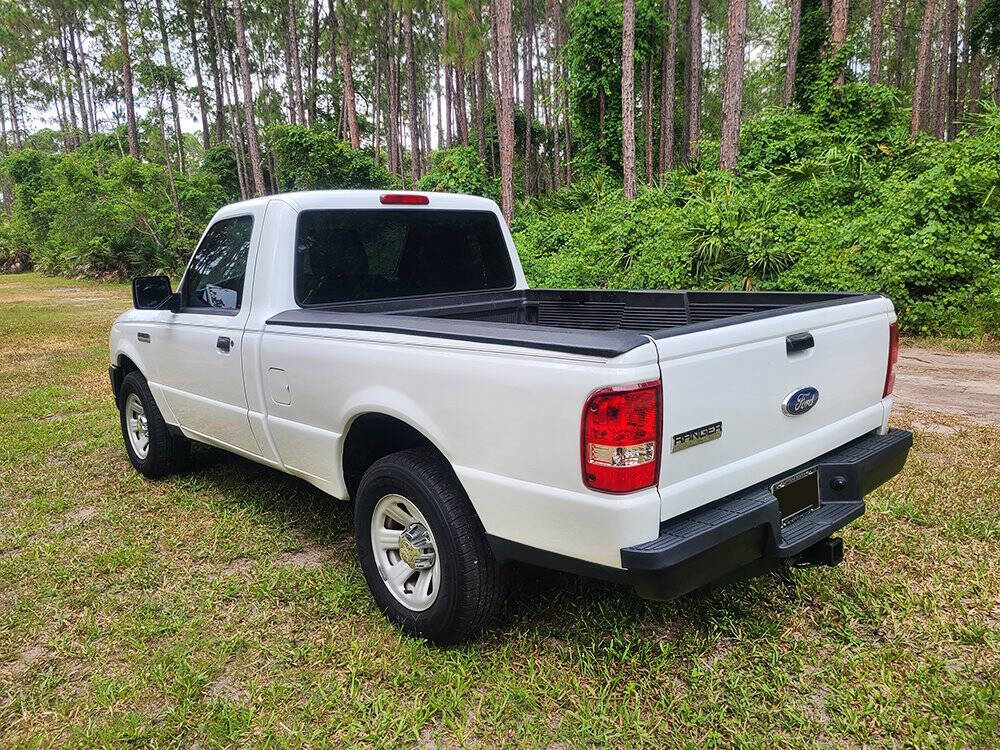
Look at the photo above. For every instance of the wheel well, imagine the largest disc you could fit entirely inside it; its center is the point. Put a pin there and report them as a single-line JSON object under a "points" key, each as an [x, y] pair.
{"points": [[373, 436], [125, 366]]}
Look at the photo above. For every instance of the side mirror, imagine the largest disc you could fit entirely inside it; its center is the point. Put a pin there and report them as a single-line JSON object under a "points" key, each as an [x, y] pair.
{"points": [[153, 293]]}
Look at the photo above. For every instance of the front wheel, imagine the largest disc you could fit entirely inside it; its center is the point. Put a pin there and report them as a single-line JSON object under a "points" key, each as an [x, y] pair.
{"points": [[153, 450], [423, 550]]}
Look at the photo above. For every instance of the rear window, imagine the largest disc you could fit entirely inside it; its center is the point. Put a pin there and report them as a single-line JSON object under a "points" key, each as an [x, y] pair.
{"points": [[343, 255]]}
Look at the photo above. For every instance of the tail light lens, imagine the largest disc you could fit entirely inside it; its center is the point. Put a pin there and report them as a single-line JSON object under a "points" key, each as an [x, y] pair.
{"points": [[890, 370], [620, 438]]}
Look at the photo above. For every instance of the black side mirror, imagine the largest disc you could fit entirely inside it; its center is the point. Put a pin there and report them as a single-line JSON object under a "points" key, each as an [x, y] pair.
{"points": [[152, 293]]}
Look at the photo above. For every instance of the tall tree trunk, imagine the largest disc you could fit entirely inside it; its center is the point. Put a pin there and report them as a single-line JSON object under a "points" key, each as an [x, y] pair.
{"points": [[230, 88], [127, 86], [647, 112], [668, 61], [80, 89], [899, 42], [348, 74], [66, 88], [875, 56], [293, 53], [974, 90], [942, 101], [293, 112], [691, 133], [554, 62], [951, 106], [248, 114], [838, 30], [171, 86], [411, 98], [86, 80], [437, 96], [214, 63], [14, 124], [443, 44], [628, 98], [461, 113], [313, 61], [505, 104], [792, 55], [5, 187], [530, 173], [55, 95], [921, 89], [479, 105], [564, 77], [964, 68], [732, 91], [196, 56], [166, 153], [378, 100], [392, 98], [331, 23]]}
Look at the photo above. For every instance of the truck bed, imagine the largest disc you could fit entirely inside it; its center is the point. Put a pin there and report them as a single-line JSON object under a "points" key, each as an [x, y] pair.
{"points": [[588, 322]]}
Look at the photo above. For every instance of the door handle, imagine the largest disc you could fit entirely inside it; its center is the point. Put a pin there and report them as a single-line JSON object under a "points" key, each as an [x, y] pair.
{"points": [[224, 343]]}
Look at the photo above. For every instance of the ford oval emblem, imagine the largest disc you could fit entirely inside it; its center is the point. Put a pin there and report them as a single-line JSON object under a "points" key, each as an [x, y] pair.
{"points": [[800, 401]]}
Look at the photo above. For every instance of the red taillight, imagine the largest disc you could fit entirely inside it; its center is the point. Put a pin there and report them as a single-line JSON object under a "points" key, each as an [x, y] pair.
{"points": [[890, 370], [403, 199], [620, 438]]}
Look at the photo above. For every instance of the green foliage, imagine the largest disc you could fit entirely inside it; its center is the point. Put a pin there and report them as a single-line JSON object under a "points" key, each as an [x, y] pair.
{"points": [[593, 55], [311, 159], [85, 214], [220, 162], [15, 246], [813, 36], [837, 199], [984, 28], [460, 170]]}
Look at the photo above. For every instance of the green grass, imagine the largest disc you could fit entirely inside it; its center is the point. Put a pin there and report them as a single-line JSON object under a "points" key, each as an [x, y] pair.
{"points": [[225, 607]]}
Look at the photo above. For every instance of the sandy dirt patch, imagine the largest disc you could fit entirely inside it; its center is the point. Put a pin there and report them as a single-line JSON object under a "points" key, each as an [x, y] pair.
{"points": [[960, 384]]}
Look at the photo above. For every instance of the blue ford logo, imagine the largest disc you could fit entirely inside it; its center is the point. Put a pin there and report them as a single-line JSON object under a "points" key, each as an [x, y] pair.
{"points": [[800, 401]]}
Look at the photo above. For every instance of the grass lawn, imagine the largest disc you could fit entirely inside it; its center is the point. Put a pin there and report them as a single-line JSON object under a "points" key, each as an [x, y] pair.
{"points": [[225, 606]]}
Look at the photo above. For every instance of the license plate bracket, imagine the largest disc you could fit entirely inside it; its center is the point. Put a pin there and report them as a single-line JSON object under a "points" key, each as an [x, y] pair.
{"points": [[797, 494]]}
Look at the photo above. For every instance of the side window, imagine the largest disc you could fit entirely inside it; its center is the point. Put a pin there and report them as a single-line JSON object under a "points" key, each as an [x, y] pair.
{"points": [[215, 277]]}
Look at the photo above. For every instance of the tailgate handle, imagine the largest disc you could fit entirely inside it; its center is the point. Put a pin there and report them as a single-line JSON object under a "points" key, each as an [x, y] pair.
{"points": [[799, 342]]}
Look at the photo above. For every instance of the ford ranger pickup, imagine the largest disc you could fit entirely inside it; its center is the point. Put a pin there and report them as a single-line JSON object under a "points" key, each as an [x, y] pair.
{"points": [[385, 347]]}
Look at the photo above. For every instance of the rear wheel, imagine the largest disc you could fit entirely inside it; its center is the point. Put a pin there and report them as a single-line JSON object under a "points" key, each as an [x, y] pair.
{"points": [[423, 550], [153, 450]]}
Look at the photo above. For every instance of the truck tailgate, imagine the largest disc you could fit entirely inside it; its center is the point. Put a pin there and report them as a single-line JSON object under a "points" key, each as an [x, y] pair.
{"points": [[725, 427]]}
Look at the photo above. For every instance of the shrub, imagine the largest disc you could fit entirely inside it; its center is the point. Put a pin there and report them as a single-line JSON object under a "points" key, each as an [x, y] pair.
{"points": [[460, 170], [84, 214], [310, 159]]}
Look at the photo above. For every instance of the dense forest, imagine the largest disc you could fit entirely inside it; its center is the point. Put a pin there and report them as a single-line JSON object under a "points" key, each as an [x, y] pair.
{"points": [[797, 144]]}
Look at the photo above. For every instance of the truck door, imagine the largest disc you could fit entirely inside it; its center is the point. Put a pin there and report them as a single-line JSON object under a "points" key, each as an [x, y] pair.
{"points": [[201, 370]]}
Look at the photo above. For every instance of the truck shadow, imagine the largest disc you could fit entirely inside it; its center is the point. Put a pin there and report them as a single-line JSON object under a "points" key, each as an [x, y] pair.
{"points": [[540, 603]]}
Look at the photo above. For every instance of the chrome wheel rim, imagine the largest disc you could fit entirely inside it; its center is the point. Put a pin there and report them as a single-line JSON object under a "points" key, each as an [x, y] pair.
{"points": [[136, 426], [405, 552]]}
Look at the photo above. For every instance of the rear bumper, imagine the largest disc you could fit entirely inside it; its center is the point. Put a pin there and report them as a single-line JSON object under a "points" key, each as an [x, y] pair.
{"points": [[742, 535]]}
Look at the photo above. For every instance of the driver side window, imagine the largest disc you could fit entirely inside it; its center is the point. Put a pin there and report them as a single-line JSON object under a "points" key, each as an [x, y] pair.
{"points": [[215, 277]]}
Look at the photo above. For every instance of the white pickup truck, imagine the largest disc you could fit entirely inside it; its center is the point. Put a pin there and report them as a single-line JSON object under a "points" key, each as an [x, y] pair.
{"points": [[386, 348]]}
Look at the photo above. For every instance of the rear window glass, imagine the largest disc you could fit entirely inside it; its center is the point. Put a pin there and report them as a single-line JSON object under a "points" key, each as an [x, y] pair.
{"points": [[343, 255]]}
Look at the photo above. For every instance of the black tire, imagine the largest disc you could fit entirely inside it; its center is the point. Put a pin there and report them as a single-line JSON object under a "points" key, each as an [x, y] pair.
{"points": [[472, 581], [168, 452]]}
